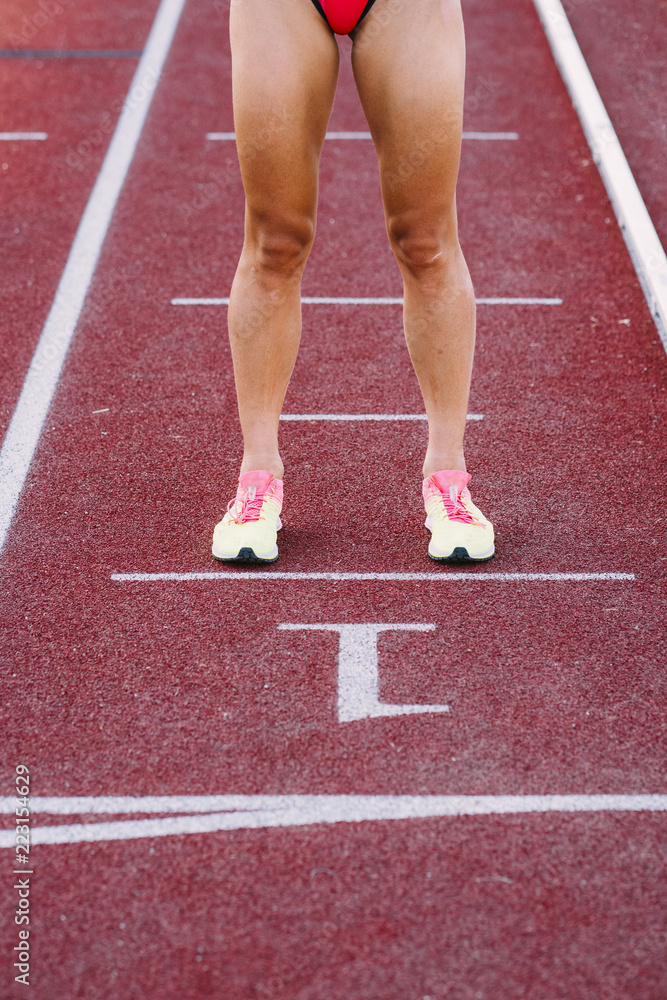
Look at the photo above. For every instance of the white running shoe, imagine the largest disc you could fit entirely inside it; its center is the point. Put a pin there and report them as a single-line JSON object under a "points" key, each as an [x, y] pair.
{"points": [[459, 530], [248, 531]]}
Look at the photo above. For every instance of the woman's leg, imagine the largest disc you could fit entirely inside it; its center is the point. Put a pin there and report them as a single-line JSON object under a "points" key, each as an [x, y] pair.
{"points": [[284, 71], [409, 65]]}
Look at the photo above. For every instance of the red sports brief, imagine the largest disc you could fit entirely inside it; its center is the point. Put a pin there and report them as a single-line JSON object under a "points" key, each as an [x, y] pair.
{"points": [[343, 16]]}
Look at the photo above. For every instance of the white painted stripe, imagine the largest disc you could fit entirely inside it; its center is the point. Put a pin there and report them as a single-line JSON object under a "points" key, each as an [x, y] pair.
{"points": [[42, 377], [647, 254], [517, 301], [383, 300], [262, 811], [350, 300], [474, 576], [16, 136], [493, 136], [358, 672], [126, 805], [365, 416], [348, 135]]}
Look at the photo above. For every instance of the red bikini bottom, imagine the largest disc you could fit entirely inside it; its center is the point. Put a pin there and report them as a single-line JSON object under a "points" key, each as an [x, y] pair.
{"points": [[343, 16]]}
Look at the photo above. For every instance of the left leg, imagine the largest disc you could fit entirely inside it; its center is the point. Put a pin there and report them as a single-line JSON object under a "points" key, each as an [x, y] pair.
{"points": [[409, 65]]}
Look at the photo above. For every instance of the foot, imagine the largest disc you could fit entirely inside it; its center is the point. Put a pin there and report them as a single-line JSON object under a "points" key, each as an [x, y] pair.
{"points": [[248, 531], [459, 530]]}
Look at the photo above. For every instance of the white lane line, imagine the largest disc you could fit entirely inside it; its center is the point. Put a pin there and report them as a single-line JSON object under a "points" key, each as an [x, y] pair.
{"points": [[382, 300], [647, 254], [126, 805], [347, 135], [519, 302], [489, 136], [492, 136], [442, 577], [42, 378], [18, 136], [365, 416], [69, 53], [261, 811], [350, 300]]}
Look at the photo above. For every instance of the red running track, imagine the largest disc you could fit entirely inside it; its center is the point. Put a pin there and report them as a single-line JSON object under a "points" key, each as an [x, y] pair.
{"points": [[191, 688], [625, 51]]}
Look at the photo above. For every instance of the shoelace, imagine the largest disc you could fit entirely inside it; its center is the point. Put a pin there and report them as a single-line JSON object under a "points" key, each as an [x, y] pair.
{"points": [[456, 511], [250, 509]]}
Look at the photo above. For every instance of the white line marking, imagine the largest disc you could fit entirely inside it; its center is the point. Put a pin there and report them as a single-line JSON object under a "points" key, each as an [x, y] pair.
{"points": [[126, 805], [42, 378], [262, 811], [347, 300], [383, 300], [365, 416], [348, 135], [497, 136], [443, 577], [18, 136], [519, 302], [493, 136], [358, 675], [647, 254]]}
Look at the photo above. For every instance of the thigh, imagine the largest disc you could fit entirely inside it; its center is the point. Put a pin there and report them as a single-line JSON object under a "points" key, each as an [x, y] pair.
{"points": [[284, 71], [409, 65]]}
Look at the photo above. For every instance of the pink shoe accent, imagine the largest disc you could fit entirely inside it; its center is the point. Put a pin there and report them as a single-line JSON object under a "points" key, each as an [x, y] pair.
{"points": [[451, 477], [252, 490], [450, 485]]}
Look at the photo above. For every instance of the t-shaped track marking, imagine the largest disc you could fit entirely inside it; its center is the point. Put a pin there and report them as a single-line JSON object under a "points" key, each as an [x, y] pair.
{"points": [[358, 670]]}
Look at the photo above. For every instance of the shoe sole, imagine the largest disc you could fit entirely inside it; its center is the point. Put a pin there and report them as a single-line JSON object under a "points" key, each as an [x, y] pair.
{"points": [[459, 553], [245, 555]]}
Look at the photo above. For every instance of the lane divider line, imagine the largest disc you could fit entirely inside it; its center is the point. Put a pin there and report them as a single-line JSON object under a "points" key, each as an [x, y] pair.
{"points": [[646, 252], [488, 136], [42, 377], [443, 577], [70, 53], [365, 416], [382, 300], [127, 805], [244, 812], [21, 136]]}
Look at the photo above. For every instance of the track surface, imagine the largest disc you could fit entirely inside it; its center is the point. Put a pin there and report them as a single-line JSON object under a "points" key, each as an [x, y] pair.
{"points": [[626, 53], [191, 688]]}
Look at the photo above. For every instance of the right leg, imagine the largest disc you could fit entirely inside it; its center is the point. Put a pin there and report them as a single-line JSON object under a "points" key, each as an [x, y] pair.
{"points": [[284, 71]]}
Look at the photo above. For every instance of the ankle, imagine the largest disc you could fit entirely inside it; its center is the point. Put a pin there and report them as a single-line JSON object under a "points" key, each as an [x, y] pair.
{"points": [[254, 464], [443, 463]]}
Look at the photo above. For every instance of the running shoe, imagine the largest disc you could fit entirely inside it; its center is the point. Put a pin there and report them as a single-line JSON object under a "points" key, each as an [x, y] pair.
{"points": [[459, 531], [248, 531]]}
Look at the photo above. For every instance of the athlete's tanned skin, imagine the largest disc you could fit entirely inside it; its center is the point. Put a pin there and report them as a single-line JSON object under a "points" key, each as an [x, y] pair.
{"points": [[409, 60]]}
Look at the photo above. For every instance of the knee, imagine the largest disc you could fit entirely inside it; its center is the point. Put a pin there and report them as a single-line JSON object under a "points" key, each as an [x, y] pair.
{"points": [[282, 250], [421, 249]]}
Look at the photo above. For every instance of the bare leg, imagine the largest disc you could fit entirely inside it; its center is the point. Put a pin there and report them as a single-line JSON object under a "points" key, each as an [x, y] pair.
{"points": [[409, 64], [284, 71]]}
